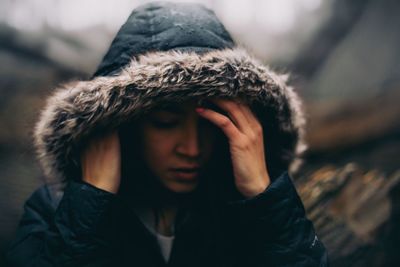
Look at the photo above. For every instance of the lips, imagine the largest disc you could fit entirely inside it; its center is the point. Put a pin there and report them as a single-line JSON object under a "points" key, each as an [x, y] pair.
{"points": [[185, 173]]}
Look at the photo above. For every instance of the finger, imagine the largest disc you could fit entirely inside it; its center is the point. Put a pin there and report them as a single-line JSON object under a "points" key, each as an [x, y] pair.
{"points": [[234, 112], [223, 122]]}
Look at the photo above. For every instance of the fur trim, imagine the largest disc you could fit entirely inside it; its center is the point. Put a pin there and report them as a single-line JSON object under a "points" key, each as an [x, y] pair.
{"points": [[79, 108]]}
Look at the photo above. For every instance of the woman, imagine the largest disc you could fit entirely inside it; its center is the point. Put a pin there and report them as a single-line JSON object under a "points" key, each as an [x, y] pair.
{"points": [[176, 153]]}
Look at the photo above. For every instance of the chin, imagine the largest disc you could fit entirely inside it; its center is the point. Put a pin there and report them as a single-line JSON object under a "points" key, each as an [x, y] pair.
{"points": [[182, 188]]}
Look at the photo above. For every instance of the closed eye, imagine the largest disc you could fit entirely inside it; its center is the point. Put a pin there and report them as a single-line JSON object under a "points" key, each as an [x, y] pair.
{"points": [[164, 120]]}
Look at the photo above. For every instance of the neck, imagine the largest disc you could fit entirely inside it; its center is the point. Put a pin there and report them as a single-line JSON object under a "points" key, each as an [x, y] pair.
{"points": [[167, 205], [166, 220], [160, 200]]}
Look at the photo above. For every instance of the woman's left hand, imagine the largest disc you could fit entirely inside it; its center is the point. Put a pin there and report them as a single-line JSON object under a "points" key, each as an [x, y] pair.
{"points": [[245, 135]]}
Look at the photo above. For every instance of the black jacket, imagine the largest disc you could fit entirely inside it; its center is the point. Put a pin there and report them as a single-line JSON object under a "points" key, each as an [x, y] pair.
{"points": [[166, 52], [92, 227]]}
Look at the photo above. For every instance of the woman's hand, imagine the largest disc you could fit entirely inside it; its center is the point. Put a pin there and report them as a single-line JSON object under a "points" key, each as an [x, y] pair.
{"points": [[101, 162], [245, 135]]}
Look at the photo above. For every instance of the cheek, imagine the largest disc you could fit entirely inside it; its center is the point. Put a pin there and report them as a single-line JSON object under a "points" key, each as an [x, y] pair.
{"points": [[207, 148], [157, 149], [208, 143]]}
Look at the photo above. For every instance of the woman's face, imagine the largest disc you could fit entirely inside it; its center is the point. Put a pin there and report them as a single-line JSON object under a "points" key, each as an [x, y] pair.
{"points": [[176, 144]]}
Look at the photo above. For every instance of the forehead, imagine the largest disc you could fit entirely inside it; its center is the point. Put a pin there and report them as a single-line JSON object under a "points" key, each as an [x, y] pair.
{"points": [[177, 107]]}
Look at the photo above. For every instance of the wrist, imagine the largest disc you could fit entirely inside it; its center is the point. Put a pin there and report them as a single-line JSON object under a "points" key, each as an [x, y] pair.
{"points": [[103, 185], [256, 189]]}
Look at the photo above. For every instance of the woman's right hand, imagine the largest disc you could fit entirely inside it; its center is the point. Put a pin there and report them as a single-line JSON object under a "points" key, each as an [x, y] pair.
{"points": [[101, 162]]}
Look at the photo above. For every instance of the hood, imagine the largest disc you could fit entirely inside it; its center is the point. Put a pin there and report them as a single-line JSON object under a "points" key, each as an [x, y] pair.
{"points": [[168, 52]]}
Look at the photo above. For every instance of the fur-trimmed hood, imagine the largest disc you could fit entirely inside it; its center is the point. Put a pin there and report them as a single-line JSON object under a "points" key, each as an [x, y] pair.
{"points": [[127, 89]]}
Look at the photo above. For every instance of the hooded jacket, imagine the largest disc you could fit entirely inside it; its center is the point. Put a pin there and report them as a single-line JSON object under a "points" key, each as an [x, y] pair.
{"points": [[166, 52]]}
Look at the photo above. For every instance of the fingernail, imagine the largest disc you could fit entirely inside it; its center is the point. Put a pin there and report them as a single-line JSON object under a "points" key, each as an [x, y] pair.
{"points": [[199, 109]]}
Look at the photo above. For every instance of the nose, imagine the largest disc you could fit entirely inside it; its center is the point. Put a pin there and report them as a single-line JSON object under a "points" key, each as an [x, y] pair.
{"points": [[189, 143]]}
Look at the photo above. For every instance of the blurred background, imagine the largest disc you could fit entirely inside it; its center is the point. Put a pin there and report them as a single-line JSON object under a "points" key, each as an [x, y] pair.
{"points": [[344, 58]]}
